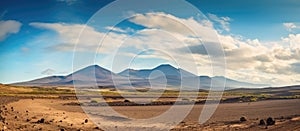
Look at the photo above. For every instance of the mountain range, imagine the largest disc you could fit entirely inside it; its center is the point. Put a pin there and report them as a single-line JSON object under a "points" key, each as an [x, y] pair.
{"points": [[159, 77]]}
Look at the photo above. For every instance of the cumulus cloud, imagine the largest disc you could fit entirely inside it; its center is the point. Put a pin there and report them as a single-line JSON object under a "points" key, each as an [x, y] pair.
{"points": [[293, 40], [275, 62], [176, 25], [173, 36], [264, 58], [9, 27], [282, 53]]}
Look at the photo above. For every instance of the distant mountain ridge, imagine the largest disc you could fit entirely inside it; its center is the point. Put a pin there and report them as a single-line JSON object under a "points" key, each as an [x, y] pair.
{"points": [[166, 69], [95, 75]]}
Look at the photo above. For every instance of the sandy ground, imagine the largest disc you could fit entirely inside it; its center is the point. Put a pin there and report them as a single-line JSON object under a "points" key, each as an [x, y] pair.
{"points": [[27, 114]]}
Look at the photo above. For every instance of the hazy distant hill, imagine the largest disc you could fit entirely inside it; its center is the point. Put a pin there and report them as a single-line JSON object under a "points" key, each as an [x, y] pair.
{"points": [[166, 69], [278, 91], [157, 76]]}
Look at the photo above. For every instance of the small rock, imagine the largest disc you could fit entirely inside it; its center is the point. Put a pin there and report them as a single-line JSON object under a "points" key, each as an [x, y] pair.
{"points": [[41, 120], [243, 119], [270, 121], [262, 122], [1, 118], [126, 100]]}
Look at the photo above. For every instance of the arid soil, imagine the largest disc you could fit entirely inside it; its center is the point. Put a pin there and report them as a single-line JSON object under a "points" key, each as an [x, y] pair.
{"points": [[54, 114]]}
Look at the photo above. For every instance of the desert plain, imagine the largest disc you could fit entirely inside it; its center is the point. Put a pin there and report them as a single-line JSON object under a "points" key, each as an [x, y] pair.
{"points": [[58, 108]]}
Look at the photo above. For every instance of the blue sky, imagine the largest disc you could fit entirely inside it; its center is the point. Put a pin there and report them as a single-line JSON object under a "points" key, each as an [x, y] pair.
{"points": [[260, 38]]}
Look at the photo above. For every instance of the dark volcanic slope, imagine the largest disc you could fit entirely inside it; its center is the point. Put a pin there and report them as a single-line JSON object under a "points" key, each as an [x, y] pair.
{"points": [[87, 75]]}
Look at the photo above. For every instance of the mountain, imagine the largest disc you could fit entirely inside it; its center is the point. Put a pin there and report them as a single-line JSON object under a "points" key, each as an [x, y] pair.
{"points": [[274, 91], [41, 81], [165, 69], [158, 77], [85, 76], [230, 83], [91, 72]]}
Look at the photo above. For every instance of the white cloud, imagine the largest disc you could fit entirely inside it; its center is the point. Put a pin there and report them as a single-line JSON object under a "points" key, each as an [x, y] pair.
{"points": [[241, 55], [181, 26], [85, 38], [119, 30], [9, 27], [69, 2], [116, 29], [223, 21], [282, 53], [247, 59], [289, 26], [293, 40]]}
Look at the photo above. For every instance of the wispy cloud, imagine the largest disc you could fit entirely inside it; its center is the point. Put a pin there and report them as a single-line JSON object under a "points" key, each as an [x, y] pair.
{"points": [[25, 49], [85, 38], [9, 27], [48, 72], [69, 2], [291, 26], [116, 29], [3, 14], [222, 21]]}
